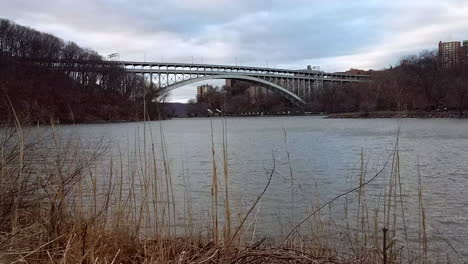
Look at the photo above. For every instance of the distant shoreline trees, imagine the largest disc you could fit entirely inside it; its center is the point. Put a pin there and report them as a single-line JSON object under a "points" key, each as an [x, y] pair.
{"points": [[40, 90], [73, 94], [417, 83], [239, 98]]}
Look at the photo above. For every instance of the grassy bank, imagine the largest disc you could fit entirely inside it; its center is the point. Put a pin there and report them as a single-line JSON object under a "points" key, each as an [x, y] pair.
{"points": [[60, 202]]}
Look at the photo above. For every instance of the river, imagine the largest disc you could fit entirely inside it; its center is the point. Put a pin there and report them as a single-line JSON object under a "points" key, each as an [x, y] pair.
{"points": [[324, 161]]}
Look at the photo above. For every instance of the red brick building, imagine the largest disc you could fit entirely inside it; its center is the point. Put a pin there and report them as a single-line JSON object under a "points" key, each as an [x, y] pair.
{"points": [[357, 71]]}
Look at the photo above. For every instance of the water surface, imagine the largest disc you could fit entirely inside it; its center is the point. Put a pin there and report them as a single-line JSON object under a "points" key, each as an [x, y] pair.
{"points": [[325, 160]]}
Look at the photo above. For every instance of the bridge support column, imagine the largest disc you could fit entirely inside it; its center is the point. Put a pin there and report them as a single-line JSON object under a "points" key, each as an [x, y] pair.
{"points": [[159, 77], [151, 80]]}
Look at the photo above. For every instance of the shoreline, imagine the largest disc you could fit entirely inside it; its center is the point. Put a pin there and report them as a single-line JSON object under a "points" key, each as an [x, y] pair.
{"points": [[396, 114], [346, 115]]}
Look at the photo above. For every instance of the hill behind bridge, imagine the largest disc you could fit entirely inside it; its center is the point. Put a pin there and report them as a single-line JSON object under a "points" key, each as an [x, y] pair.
{"points": [[39, 94]]}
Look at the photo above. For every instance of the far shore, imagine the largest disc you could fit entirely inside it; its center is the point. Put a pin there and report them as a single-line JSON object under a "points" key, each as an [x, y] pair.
{"points": [[400, 114], [361, 115]]}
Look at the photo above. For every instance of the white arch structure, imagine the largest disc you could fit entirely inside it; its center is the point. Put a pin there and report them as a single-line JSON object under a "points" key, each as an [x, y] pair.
{"points": [[269, 85], [296, 85]]}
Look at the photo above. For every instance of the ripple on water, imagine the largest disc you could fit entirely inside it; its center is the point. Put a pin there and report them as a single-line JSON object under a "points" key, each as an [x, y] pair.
{"points": [[325, 159]]}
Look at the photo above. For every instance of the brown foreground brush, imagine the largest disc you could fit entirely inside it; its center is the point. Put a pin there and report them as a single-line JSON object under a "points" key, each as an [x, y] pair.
{"points": [[82, 244], [52, 212], [57, 207]]}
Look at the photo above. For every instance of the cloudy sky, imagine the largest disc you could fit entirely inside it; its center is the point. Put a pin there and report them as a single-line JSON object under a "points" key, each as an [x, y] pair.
{"points": [[333, 34]]}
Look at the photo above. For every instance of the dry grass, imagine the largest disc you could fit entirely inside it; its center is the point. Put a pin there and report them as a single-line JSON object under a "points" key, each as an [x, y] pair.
{"points": [[54, 209]]}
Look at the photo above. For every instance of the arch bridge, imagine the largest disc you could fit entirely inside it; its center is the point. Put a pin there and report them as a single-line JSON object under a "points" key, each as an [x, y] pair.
{"points": [[295, 85]]}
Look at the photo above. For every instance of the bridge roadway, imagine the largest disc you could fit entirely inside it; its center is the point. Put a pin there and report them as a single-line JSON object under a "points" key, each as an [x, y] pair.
{"points": [[188, 68], [296, 85]]}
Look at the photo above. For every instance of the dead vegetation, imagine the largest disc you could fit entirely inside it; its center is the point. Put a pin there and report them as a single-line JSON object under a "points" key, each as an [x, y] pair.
{"points": [[56, 207]]}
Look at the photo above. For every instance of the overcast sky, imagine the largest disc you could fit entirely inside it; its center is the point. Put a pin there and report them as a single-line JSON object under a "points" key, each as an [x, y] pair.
{"points": [[333, 34]]}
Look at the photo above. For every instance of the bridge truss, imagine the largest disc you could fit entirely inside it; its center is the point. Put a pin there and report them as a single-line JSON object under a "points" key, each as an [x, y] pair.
{"points": [[296, 85]]}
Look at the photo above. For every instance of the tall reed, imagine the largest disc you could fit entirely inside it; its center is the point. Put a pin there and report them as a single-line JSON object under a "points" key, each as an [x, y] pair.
{"points": [[58, 205]]}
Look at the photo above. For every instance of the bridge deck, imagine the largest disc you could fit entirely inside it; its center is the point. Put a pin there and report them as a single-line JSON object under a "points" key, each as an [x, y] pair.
{"points": [[213, 69], [148, 67], [325, 77]]}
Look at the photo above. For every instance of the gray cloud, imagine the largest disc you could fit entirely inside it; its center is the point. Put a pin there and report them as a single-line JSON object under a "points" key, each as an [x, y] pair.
{"points": [[335, 34]]}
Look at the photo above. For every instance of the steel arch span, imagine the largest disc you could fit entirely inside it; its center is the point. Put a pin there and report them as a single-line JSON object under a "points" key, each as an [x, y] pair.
{"points": [[269, 85], [297, 86]]}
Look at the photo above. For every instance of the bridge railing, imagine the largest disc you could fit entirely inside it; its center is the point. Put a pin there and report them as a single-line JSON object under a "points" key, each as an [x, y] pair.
{"points": [[188, 68]]}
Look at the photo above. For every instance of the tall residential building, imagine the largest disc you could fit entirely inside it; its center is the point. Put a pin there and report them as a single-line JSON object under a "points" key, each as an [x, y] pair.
{"points": [[258, 94], [464, 54], [202, 90], [449, 54]]}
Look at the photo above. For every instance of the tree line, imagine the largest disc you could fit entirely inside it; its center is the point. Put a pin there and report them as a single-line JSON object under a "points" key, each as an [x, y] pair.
{"points": [[418, 83], [88, 91], [38, 87], [241, 97]]}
